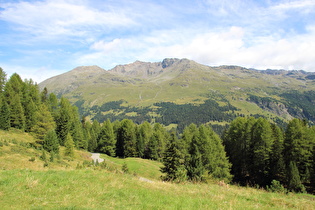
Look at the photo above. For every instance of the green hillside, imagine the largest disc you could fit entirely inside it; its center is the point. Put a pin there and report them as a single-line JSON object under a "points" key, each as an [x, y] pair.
{"points": [[63, 185], [143, 91]]}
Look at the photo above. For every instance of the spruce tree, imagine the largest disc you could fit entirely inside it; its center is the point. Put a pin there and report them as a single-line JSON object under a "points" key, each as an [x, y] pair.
{"points": [[107, 140], [30, 115], [277, 165], [17, 118], [53, 105], [161, 137], [237, 142], [152, 151], [126, 139], [44, 95], [188, 134], [3, 79], [69, 145], [5, 123], [194, 165], [173, 162], [219, 165], [63, 120], [44, 122], [298, 147], [295, 183], [144, 134], [51, 143], [261, 147]]}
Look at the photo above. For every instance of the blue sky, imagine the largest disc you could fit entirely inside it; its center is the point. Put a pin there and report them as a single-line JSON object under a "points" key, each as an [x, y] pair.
{"points": [[40, 39]]}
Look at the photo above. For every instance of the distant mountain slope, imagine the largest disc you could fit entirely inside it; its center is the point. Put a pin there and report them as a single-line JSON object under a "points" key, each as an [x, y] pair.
{"points": [[136, 91]]}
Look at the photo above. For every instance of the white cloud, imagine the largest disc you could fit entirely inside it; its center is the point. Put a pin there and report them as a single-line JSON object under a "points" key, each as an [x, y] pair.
{"points": [[37, 74], [224, 47], [248, 33], [61, 17], [297, 4]]}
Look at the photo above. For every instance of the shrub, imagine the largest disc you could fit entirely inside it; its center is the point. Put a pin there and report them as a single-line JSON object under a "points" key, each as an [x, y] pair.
{"points": [[32, 159], [276, 186], [125, 168]]}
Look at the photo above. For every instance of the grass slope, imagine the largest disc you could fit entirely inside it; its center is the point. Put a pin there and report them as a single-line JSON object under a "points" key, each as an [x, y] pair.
{"points": [[86, 189], [28, 184]]}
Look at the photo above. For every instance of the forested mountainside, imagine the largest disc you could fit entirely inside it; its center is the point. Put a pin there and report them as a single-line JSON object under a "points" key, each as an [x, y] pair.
{"points": [[251, 151], [179, 91]]}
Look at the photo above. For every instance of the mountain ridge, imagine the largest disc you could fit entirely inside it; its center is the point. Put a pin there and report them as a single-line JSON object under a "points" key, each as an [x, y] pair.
{"points": [[144, 85]]}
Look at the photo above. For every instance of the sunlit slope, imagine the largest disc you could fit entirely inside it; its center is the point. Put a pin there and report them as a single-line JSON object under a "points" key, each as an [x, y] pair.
{"points": [[182, 81]]}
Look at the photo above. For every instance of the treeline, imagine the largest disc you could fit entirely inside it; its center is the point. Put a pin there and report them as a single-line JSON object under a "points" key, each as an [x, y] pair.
{"points": [[51, 121], [261, 152], [54, 123], [196, 155], [253, 151], [166, 113]]}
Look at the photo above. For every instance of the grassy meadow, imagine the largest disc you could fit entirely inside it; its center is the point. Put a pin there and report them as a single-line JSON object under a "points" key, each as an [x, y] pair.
{"points": [[76, 184]]}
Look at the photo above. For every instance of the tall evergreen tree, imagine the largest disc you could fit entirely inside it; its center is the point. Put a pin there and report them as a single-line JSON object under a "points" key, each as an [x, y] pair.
{"points": [[17, 118], [69, 144], [30, 115], [107, 140], [5, 123], [237, 141], [261, 147], [277, 165], [53, 105], [126, 139], [3, 79], [144, 134], [94, 130], [295, 183], [51, 143], [188, 134], [64, 120], [298, 147], [76, 129], [173, 161], [44, 95], [194, 165], [152, 150], [161, 137], [44, 122]]}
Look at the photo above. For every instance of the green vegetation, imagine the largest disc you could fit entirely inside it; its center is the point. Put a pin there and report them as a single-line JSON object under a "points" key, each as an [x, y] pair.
{"points": [[95, 189], [261, 153], [61, 185], [186, 92], [52, 156]]}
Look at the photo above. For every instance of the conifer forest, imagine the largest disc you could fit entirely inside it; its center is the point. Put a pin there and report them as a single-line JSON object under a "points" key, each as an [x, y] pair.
{"points": [[251, 151]]}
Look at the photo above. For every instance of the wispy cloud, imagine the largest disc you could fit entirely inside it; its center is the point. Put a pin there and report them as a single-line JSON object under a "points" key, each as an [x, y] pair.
{"points": [[62, 34], [60, 17]]}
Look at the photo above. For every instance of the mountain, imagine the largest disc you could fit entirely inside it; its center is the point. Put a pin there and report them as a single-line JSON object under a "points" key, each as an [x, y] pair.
{"points": [[181, 91]]}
